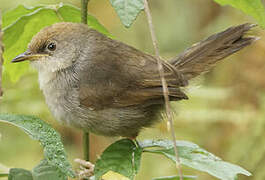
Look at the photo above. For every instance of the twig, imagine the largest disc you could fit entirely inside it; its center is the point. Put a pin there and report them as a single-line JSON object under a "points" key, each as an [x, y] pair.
{"points": [[1, 57], [164, 85], [85, 134]]}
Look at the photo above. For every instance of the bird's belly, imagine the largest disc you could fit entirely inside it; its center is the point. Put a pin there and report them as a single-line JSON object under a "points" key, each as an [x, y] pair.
{"points": [[65, 107]]}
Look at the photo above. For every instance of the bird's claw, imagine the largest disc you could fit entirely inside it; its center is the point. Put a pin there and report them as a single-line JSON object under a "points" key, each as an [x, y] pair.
{"points": [[86, 169]]}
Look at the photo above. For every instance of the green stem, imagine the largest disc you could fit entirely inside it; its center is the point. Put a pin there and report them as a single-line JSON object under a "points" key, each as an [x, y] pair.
{"points": [[85, 134], [86, 145], [84, 11]]}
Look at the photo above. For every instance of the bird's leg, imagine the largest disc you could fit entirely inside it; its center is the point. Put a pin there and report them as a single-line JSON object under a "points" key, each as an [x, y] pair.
{"points": [[86, 168]]}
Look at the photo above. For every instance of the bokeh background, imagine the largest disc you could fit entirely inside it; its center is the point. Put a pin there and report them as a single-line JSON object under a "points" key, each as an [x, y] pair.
{"points": [[225, 113]]}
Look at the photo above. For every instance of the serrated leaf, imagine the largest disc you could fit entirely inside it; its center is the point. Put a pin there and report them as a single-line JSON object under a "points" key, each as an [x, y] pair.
{"points": [[46, 171], [195, 157], [122, 157], [127, 10], [50, 140], [19, 174], [253, 8], [176, 178], [22, 23]]}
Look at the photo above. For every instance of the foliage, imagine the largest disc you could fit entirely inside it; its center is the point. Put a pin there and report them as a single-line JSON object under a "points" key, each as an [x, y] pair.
{"points": [[124, 158], [22, 23], [129, 9], [254, 8], [54, 153], [19, 174], [175, 178], [47, 171], [43, 171]]}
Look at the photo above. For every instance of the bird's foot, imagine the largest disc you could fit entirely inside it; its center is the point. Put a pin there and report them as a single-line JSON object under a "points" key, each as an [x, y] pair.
{"points": [[86, 169]]}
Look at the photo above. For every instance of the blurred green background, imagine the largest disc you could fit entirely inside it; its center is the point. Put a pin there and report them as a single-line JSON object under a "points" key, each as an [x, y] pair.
{"points": [[225, 113]]}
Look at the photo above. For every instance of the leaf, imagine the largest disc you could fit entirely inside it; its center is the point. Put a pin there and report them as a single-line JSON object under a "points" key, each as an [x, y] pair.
{"points": [[72, 14], [14, 14], [127, 10], [122, 157], [195, 157], [113, 175], [50, 140], [253, 8], [19, 174], [18, 35], [175, 178], [3, 174], [22, 23], [45, 171]]}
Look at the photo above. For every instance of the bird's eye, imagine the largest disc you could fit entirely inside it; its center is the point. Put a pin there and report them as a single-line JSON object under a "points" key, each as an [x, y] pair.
{"points": [[51, 46]]}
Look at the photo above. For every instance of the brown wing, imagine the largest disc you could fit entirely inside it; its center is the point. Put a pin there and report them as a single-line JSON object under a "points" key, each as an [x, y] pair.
{"points": [[117, 75]]}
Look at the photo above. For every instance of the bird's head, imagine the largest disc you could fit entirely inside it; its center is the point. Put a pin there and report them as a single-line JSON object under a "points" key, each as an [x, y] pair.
{"points": [[55, 47]]}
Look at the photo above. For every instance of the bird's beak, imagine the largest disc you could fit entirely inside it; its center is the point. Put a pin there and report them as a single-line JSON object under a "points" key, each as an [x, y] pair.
{"points": [[28, 56]]}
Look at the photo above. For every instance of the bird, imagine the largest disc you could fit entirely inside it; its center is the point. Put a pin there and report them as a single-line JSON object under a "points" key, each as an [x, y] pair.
{"points": [[104, 86]]}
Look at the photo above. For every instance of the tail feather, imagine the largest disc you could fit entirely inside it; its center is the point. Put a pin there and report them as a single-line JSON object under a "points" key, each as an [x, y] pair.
{"points": [[202, 56]]}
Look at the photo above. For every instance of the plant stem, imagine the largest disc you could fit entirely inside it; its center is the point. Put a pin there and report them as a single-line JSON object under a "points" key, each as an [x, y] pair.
{"points": [[1, 57], [84, 11], [85, 134], [86, 145], [164, 85]]}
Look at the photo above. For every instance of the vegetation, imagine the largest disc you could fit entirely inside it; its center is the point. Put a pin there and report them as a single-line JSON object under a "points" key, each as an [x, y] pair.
{"points": [[19, 26]]}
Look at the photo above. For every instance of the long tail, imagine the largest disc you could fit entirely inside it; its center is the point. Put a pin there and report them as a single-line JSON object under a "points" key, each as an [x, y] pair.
{"points": [[204, 55]]}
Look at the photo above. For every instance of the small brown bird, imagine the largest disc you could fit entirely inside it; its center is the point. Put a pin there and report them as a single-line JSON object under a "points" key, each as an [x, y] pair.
{"points": [[107, 87]]}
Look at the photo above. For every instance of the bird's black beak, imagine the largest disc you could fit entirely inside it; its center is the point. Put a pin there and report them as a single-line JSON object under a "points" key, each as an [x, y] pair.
{"points": [[27, 56]]}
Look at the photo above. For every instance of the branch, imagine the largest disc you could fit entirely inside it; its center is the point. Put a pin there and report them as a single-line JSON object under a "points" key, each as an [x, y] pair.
{"points": [[165, 88], [1, 55], [85, 134]]}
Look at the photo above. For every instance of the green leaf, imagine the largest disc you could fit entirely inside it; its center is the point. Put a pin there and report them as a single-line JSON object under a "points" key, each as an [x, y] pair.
{"points": [[127, 10], [3, 174], [50, 140], [19, 34], [175, 178], [72, 14], [122, 157], [19, 174], [22, 23], [46, 171], [195, 157], [253, 8], [14, 14]]}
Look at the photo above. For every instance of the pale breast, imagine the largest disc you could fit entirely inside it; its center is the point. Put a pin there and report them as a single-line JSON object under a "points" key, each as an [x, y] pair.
{"points": [[59, 97], [62, 97]]}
